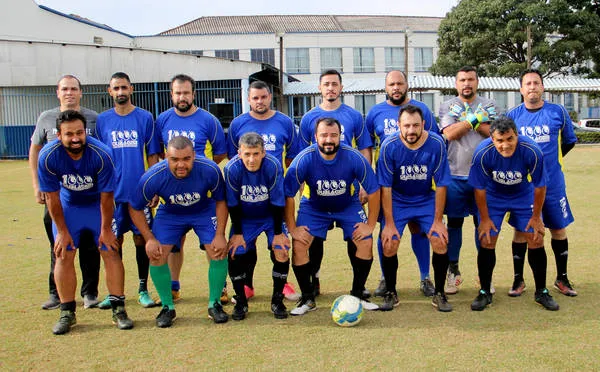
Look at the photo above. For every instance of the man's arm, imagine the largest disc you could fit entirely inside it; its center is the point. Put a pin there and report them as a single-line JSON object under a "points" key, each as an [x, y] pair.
{"points": [[219, 158], [368, 154], [34, 153], [152, 159]]}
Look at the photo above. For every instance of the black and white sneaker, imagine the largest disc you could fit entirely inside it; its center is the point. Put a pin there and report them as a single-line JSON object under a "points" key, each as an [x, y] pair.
{"points": [[482, 300], [544, 299], [239, 310], [390, 301], [304, 306], [217, 314], [166, 317]]}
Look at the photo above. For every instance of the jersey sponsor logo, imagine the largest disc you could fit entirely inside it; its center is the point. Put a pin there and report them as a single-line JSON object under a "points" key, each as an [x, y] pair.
{"points": [[342, 136], [75, 182], [254, 194], [331, 187], [538, 133], [563, 207], [507, 177], [185, 199], [390, 126], [413, 172], [185, 133], [270, 141], [363, 216], [124, 138]]}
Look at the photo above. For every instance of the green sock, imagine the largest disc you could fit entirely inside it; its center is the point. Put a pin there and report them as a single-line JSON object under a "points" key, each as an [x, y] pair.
{"points": [[161, 276], [217, 273]]}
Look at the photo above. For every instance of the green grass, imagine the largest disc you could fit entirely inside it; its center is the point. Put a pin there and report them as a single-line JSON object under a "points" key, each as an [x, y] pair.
{"points": [[514, 334]]}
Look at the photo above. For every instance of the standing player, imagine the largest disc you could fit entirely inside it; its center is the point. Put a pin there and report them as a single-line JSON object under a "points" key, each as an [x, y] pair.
{"points": [[329, 170], [129, 131], [203, 129], [550, 126], [508, 177], [465, 122], [280, 140], [381, 122], [76, 173], [413, 172], [353, 134], [69, 95], [255, 200], [194, 194]]}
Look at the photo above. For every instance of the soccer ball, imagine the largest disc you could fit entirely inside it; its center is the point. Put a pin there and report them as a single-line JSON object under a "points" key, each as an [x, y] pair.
{"points": [[346, 311]]}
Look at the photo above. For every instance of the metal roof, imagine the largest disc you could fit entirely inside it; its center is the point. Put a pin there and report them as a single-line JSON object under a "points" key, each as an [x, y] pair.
{"points": [[271, 24], [377, 85]]}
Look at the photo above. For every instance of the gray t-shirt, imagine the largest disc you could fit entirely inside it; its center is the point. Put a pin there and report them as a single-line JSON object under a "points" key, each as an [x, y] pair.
{"points": [[460, 151], [45, 128]]}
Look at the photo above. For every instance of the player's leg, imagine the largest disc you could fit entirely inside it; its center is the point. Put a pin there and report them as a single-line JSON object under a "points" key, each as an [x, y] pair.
{"points": [[89, 262], [66, 284], [175, 264], [389, 261], [238, 263], [519, 250], [115, 282], [420, 247], [315, 252], [141, 258], [440, 268], [281, 267], [381, 288], [53, 301], [486, 257], [457, 205]]}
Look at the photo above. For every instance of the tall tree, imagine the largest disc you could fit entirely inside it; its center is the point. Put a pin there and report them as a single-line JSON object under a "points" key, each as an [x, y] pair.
{"points": [[492, 34]]}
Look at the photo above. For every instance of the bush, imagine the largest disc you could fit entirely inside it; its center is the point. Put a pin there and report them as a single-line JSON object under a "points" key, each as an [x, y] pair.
{"points": [[587, 136]]}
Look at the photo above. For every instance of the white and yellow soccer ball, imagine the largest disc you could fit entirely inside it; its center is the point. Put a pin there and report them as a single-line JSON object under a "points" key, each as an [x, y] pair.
{"points": [[346, 311]]}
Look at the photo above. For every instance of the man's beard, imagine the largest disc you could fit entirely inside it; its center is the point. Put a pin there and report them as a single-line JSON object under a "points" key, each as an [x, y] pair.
{"points": [[399, 101], [329, 152], [185, 108]]}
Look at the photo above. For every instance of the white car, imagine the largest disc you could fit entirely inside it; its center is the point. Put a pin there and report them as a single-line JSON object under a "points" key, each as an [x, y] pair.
{"points": [[589, 125]]}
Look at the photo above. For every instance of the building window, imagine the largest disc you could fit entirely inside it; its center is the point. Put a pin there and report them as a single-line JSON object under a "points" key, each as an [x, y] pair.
{"points": [[364, 102], [263, 56], [331, 58], [426, 98], [501, 99], [423, 59], [569, 102], [364, 60], [297, 61], [228, 53], [193, 52], [394, 59]]}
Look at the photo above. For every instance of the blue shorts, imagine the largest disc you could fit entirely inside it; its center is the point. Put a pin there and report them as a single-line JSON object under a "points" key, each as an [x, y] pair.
{"points": [[556, 212], [122, 222], [460, 199], [319, 221], [422, 215], [80, 218], [251, 229], [521, 210], [169, 228]]}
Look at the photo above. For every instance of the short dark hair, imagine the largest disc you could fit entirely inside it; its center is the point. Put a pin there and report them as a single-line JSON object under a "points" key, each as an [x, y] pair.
{"points": [[468, 69], [402, 72], [530, 71], [183, 77], [503, 124], [180, 143], [68, 77], [120, 75], [410, 109], [69, 116], [330, 72], [328, 122], [258, 84], [252, 139]]}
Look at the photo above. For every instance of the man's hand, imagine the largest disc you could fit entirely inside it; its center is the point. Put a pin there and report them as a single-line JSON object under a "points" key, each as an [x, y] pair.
{"points": [[62, 241], [281, 241], [538, 227], [484, 230], [440, 229], [301, 234], [219, 247], [108, 239], [154, 202], [388, 234], [363, 196], [154, 249], [236, 241], [361, 231], [40, 197]]}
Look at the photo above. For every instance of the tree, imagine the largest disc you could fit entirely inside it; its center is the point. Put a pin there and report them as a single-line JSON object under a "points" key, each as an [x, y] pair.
{"points": [[492, 34]]}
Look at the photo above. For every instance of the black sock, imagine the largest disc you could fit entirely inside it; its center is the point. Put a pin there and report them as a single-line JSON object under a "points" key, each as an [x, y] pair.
{"points": [[303, 273], [143, 287], [250, 260], [538, 262], [486, 260], [280, 274], [518, 251], [237, 274], [143, 265], [315, 252], [116, 301], [453, 267], [561, 255], [361, 273], [70, 306], [390, 271], [351, 249], [440, 267]]}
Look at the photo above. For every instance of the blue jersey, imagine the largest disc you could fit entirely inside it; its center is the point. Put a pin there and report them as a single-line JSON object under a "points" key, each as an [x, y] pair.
{"points": [[255, 191], [194, 194], [278, 132], [353, 128], [512, 177], [202, 128], [413, 174], [128, 136], [548, 127], [80, 181], [329, 181]]}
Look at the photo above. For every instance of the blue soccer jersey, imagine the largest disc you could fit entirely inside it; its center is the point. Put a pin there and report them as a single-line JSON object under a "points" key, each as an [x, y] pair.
{"points": [[131, 137], [508, 178], [278, 132], [548, 127], [194, 194], [80, 181], [329, 181], [202, 128], [255, 191], [353, 128], [413, 174]]}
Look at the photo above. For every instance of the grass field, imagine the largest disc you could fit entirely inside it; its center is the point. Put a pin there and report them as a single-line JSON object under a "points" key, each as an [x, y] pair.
{"points": [[513, 334]]}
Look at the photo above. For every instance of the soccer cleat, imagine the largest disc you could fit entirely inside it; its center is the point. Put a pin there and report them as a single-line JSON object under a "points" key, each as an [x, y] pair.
{"points": [[564, 286], [217, 314], [381, 289], [145, 300], [440, 301], [90, 301], [65, 322], [121, 319], [518, 288], [492, 289], [105, 304], [248, 291], [239, 311], [427, 287], [277, 307], [543, 298], [390, 301], [52, 303], [290, 293], [451, 287], [166, 317], [303, 306], [368, 305], [176, 295], [366, 293], [482, 300]]}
